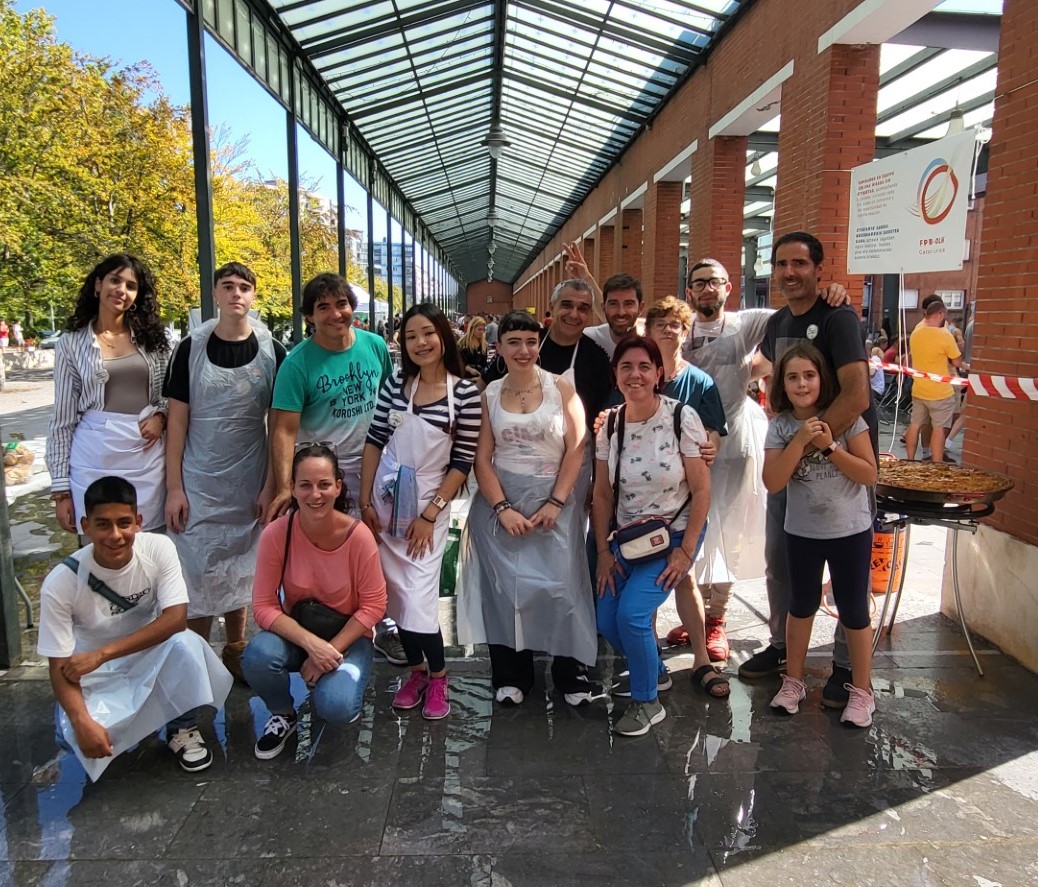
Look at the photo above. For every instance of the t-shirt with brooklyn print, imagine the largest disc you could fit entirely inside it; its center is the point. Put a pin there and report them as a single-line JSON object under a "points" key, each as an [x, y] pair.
{"points": [[335, 392]]}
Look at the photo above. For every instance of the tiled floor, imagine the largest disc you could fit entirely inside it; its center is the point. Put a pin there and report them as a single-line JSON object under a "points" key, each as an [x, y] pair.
{"points": [[941, 790]]}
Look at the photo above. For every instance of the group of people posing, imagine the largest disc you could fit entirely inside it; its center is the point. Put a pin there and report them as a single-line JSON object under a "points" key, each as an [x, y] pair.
{"points": [[613, 465]]}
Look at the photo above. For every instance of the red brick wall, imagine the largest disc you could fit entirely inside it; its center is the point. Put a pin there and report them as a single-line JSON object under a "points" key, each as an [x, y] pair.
{"points": [[718, 190], [660, 240], [495, 297], [603, 267], [828, 127], [631, 243], [1001, 433]]}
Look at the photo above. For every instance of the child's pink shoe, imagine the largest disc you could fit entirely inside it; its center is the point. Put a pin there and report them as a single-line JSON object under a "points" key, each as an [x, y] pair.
{"points": [[411, 692], [437, 700]]}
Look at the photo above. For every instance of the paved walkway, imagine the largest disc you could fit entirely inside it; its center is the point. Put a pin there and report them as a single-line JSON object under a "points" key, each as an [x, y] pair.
{"points": [[941, 790]]}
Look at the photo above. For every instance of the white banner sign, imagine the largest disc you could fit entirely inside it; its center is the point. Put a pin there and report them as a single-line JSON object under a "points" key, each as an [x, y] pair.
{"points": [[908, 212]]}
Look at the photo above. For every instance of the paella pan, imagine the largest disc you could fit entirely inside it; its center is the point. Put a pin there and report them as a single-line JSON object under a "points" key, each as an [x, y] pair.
{"points": [[939, 483]]}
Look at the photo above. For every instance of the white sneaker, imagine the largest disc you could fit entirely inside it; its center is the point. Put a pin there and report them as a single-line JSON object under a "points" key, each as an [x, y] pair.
{"points": [[190, 749], [788, 699], [860, 707], [581, 692], [509, 696]]}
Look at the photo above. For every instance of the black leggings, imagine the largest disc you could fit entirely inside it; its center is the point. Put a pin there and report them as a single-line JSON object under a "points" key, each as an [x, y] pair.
{"points": [[850, 560], [421, 648], [514, 668]]}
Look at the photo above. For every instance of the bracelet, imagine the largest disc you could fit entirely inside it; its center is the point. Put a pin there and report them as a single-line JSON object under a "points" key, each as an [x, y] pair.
{"points": [[556, 502], [503, 505], [60, 497], [366, 505], [426, 519]]}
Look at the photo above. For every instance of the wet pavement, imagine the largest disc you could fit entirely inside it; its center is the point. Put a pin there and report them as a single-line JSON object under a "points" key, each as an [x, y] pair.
{"points": [[941, 790]]}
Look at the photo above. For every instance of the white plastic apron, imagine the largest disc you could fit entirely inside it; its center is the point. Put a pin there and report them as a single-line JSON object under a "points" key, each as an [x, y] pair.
{"points": [[529, 592], [569, 375], [111, 444], [413, 586], [734, 544], [224, 466], [136, 695]]}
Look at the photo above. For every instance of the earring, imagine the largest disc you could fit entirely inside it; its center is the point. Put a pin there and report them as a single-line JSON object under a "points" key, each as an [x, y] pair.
{"points": [[133, 307]]}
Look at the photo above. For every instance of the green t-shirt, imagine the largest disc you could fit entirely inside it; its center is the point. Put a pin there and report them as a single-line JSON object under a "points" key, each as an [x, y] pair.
{"points": [[335, 392]]}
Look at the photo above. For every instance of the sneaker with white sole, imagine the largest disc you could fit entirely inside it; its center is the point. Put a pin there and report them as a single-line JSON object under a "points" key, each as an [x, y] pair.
{"points": [[275, 734], [861, 705], [581, 691], [623, 686], [639, 717], [509, 696], [437, 700], [388, 645], [190, 748], [788, 699], [411, 691]]}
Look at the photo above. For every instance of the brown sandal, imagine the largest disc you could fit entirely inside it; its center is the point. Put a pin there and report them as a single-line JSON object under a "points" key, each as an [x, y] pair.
{"points": [[712, 682]]}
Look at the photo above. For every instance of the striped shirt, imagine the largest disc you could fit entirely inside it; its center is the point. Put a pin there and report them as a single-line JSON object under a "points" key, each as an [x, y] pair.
{"points": [[468, 416], [79, 385]]}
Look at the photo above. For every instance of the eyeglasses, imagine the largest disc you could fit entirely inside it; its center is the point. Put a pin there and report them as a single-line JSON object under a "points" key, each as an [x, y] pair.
{"points": [[715, 283], [665, 325]]}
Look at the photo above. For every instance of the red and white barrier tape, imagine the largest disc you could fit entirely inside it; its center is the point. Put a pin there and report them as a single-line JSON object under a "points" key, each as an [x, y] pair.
{"points": [[979, 383]]}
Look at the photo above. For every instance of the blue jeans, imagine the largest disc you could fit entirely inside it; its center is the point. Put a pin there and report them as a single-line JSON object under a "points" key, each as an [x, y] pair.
{"points": [[625, 619], [337, 696]]}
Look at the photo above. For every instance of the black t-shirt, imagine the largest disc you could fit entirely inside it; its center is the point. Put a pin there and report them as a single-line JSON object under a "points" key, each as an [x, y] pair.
{"points": [[226, 355], [836, 332], [592, 372]]}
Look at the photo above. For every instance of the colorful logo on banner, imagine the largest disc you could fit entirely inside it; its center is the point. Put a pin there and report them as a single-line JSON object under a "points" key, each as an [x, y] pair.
{"points": [[935, 196]]}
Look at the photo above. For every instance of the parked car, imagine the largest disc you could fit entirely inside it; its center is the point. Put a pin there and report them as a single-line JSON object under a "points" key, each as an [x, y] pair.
{"points": [[50, 341]]}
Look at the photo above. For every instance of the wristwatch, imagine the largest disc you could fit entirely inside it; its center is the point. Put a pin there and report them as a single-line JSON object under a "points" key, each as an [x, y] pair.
{"points": [[829, 450], [439, 502]]}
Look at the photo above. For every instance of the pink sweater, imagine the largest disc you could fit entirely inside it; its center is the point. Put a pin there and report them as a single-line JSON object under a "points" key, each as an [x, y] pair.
{"points": [[348, 579]]}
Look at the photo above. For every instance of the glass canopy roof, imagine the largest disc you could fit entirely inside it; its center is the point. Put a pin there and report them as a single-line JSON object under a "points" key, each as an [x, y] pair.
{"points": [[570, 84]]}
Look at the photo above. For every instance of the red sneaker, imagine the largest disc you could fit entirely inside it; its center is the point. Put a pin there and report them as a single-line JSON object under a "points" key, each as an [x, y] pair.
{"points": [[716, 640], [678, 637]]}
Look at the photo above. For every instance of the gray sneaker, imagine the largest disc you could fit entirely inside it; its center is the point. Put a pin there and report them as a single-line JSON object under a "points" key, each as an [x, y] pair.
{"points": [[639, 717], [388, 645]]}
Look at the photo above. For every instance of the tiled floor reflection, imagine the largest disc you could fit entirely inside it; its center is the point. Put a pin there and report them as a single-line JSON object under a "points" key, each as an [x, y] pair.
{"points": [[941, 790]]}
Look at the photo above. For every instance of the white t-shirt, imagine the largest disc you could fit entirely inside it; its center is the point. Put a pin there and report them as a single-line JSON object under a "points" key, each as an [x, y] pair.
{"points": [[602, 336], [74, 619], [652, 477]]}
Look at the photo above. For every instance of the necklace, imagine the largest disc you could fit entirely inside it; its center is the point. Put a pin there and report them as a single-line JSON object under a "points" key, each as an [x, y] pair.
{"points": [[522, 393], [678, 367]]}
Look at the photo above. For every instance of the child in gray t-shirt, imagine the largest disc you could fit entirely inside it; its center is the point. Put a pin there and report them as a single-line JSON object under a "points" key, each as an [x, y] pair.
{"points": [[828, 520]]}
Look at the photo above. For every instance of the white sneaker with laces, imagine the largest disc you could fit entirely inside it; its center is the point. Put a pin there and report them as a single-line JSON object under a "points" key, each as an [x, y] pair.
{"points": [[509, 696], [860, 707], [789, 697], [192, 753]]}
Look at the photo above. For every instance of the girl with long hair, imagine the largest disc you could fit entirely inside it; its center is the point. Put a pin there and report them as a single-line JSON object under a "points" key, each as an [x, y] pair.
{"points": [[109, 413]]}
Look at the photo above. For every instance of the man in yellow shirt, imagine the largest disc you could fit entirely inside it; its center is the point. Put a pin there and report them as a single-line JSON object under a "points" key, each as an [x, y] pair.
{"points": [[933, 350]]}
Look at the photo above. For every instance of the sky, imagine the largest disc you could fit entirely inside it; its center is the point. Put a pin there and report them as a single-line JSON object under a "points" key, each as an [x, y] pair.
{"points": [[155, 31]]}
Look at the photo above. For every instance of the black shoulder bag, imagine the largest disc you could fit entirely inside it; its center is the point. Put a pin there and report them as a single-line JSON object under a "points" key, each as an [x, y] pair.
{"points": [[317, 618], [646, 539], [99, 586]]}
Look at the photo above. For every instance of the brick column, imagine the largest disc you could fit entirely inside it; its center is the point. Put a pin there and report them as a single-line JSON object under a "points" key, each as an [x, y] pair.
{"points": [[1000, 432], [588, 247], [717, 201], [604, 252], [630, 261], [618, 245], [828, 127], [662, 218]]}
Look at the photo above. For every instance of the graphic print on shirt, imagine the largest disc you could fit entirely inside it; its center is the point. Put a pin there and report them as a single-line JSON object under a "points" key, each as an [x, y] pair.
{"points": [[354, 392], [116, 610]]}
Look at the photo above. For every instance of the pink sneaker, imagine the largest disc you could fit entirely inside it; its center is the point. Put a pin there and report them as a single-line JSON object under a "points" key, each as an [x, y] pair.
{"points": [[716, 640], [860, 706], [412, 690], [788, 699], [437, 700]]}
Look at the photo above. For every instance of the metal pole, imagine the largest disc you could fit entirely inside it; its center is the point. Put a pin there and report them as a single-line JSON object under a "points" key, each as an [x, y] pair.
{"points": [[371, 251], [294, 237], [403, 268], [340, 199], [414, 268], [389, 261], [200, 153]]}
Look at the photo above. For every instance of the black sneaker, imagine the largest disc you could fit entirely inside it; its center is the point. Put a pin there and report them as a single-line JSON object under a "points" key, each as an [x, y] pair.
{"points": [[191, 751], [835, 693], [771, 660], [275, 735]]}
